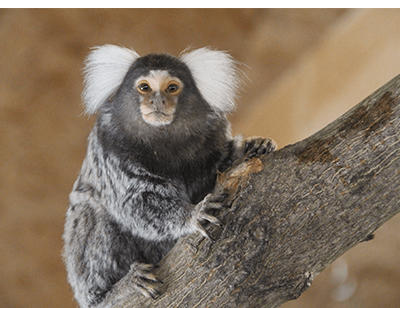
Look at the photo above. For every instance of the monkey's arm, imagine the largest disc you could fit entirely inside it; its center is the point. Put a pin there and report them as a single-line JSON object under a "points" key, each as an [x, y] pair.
{"points": [[164, 213]]}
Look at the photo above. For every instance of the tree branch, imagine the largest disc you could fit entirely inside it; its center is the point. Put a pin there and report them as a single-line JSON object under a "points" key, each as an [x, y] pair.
{"points": [[291, 213]]}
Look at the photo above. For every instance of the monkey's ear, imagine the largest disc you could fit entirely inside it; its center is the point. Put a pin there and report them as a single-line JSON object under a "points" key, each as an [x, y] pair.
{"points": [[104, 71], [216, 76]]}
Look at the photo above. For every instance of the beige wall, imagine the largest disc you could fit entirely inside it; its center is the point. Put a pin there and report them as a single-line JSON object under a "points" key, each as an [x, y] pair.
{"points": [[305, 67]]}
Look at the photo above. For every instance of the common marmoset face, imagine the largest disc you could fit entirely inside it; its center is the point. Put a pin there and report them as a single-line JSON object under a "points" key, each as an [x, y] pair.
{"points": [[158, 96], [159, 99]]}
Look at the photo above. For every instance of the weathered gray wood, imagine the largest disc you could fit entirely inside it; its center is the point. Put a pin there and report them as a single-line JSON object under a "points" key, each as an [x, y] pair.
{"points": [[293, 212]]}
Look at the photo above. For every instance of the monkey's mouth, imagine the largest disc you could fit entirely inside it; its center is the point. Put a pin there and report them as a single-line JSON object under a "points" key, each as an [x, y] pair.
{"points": [[157, 118]]}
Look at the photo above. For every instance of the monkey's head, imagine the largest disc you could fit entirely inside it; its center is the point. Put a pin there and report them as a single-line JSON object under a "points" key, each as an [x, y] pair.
{"points": [[158, 92]]}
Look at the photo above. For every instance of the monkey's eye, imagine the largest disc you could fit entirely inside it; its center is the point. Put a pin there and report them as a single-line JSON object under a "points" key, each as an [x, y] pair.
{"points": [[143, 87], [173, 88]]}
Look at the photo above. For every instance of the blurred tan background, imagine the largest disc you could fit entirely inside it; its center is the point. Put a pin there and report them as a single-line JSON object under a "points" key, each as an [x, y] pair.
{"points": [[305, 68]]}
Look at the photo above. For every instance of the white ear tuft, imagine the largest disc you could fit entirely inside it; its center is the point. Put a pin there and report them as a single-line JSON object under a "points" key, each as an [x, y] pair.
{"points": [[216, 76], [105, 69]]}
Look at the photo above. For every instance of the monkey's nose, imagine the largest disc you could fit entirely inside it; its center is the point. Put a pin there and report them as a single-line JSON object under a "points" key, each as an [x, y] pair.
{"points": [[158, 102]]}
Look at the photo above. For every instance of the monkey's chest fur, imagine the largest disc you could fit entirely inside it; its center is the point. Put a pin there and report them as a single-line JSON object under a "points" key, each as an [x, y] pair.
{"points": [[189, 162], [193, 172]]}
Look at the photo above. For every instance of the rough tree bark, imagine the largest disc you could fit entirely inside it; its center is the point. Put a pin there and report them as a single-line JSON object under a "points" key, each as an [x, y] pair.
{"points": [[291, 213]]}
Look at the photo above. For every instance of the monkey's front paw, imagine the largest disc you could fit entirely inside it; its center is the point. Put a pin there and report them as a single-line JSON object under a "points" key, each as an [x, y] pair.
{"points": [[144, 280], [257, 146], [210, 202]]}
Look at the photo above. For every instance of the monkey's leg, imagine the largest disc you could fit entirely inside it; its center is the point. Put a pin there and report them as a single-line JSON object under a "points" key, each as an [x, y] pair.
{"points": [[98, 254]]}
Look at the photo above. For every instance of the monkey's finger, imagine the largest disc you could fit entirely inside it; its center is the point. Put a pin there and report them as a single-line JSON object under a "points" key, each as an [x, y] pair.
{"points": [[148, 290], [252, 146], [149, 276], [212, 206], [249, 144], [203, 232], [269, 145], [218, 197], [211, 219], [145, 266], [209, 204]]}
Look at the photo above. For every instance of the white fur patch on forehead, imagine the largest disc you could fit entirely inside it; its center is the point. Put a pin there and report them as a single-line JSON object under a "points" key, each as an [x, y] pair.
{"points": [[105, 69], [156, 79], [216, 76]]}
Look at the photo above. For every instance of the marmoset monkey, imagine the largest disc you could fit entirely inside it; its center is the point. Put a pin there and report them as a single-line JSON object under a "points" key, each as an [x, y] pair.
{"points": [[151, 163]]}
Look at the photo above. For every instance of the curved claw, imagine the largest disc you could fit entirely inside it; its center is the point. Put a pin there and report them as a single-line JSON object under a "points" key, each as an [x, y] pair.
{"points": [[203, 232], [211, 219]]}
